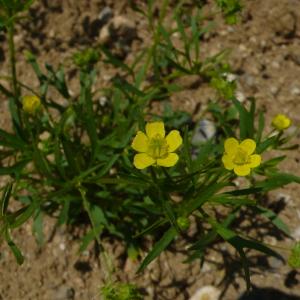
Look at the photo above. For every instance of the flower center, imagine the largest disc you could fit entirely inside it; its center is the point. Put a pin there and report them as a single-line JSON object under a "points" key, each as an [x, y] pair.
{"points": [[241, 157], [158, 147]]}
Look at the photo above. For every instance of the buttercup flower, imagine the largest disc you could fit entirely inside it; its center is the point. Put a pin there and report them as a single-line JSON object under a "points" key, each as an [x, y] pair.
{"points": [[154, 147], [31, 104], [239, 157], [281, 122]]}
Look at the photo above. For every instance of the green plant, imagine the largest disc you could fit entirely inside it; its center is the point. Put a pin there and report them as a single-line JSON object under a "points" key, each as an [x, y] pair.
{"points": [[120, 291], [74, 161]]}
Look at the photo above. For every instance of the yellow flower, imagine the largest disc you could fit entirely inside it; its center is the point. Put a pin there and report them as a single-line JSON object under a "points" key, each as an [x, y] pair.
{"points": [[281, 122], [238, 156], [154, 147], [31, 104]]}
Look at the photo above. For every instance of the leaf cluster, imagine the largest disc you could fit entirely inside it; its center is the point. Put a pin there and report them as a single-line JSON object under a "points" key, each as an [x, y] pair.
{"points": [[72, 160]]}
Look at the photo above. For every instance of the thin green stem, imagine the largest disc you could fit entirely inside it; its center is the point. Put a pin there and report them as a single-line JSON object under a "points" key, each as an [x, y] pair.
{"points": [[12, 57]]}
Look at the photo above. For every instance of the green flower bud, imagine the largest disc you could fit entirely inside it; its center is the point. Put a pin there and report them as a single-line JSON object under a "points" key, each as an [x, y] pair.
{"points": [[294, 258], [86, 58], [183, 223]]}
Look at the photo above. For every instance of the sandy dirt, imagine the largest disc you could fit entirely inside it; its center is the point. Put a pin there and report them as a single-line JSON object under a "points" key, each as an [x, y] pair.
{"points": [[265, 55]]}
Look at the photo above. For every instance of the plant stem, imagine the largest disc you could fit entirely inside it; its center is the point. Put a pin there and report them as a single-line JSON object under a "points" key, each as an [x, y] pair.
{"points": [[12, 56]]}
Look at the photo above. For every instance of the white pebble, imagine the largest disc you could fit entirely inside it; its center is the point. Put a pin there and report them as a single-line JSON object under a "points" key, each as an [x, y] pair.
{"points": [[206, 293]]}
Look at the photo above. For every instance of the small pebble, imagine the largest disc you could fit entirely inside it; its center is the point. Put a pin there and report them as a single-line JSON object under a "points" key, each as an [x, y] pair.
{"points": [[240, 96], [206, 293], [105, 15], [296, 234], [274, 262], [204, 131], [274, 90], [62, 246], [295, 91]]}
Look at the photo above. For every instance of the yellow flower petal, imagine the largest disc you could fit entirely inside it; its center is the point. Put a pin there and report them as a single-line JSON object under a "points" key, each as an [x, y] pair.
{"points": [[155, 128], [231, 146], [140, 142], [248, 145], [242, 170], [169, 161], [142, 161], [255, 160], [174, 140], [227, 161]]}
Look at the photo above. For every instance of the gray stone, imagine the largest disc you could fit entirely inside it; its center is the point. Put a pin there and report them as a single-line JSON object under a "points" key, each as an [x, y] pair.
{"points": [[295, 91], [204, 131], [63, 293], [105, 15], [207, 292], [285, 24], [274, 262]]}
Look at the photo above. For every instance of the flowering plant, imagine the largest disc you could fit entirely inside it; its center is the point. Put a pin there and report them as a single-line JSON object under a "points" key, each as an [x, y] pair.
{"points": [[240, 157], [73, 160], [155, 148]]}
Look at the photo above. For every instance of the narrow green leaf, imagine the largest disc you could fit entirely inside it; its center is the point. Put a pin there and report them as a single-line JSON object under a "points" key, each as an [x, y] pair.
{"points": [[22, 215], [37, 228], [261, 126], [245, 265], [86, 240], [150, 228], [261, 147], [115, 61], [241, 243], [64, 213], [69, 152], [243, 192], [246, 120], [96, 215], [161, 245], [277, 180], [10, 140], [5, 198], [128, 88], [228, 200], [15, 169], [13, 247], [274, 218], [204, 195], [41, 162]]}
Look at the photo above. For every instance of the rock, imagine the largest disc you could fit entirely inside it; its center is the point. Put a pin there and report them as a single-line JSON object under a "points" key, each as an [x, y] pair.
{"points": [[249, 80], [206, 293], [63, 293], [296, 234], [103, 101], [93, 27], [295, 91], [204, 131], [294, 54], [240, 96], [285, 24], [105, 15], [274, 262], [274, 90], [230, 77], [118, 29]]}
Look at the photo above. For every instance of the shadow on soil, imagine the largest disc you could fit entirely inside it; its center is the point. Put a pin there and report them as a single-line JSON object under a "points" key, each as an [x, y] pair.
{"points": [[267, 294]]}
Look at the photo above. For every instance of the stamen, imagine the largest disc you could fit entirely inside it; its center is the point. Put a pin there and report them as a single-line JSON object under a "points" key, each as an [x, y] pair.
{"points": [[241, 157], [158, 147]]}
